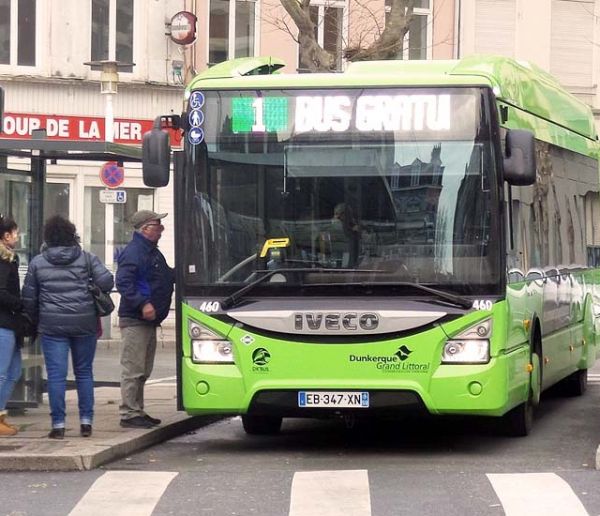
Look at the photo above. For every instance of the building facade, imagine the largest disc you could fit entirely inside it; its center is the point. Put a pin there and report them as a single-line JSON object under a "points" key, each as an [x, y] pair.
{"points": [[240, 28], [44, 48]]}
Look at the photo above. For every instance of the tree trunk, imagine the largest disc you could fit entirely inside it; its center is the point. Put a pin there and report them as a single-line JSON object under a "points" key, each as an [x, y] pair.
{"points": [[390, 44], [312, 55]]}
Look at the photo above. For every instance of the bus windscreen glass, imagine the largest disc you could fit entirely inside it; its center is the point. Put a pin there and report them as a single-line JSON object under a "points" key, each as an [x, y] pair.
{"points": [[398, 185]]}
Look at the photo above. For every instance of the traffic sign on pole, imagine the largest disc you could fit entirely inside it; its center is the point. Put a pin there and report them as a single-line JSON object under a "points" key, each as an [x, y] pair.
{"points": [[113, 196], [112, 175]]}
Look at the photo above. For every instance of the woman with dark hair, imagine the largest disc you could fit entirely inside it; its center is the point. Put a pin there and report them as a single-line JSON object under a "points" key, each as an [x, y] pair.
{"points": [[10, 308], [56, 295]]}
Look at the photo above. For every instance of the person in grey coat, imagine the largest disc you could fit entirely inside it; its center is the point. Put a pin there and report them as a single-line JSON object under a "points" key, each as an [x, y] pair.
{"points": [[56, 296]]}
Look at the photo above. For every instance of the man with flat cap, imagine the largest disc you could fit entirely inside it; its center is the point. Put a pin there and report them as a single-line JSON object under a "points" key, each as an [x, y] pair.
{"points": [[145, 283]]}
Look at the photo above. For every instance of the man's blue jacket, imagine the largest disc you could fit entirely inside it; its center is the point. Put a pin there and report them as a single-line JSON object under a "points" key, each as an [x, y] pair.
{"points": [[143, 276]]}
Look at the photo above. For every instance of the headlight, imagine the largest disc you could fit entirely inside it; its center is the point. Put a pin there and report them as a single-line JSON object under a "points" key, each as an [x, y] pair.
{"points": [[472, 346], [466, 352], [212, 351], [208, 347]]}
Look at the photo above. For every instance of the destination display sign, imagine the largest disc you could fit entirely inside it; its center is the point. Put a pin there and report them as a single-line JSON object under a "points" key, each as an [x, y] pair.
{"points": [[444, 112]]}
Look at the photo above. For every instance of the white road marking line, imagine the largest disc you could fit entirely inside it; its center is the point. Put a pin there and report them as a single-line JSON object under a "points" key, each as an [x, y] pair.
{"points": [[160, 380], [330, 493], [124, 493], [536, 494]]}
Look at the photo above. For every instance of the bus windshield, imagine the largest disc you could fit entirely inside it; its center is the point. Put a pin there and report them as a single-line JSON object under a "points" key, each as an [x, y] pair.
{"points": [[395, 185]]}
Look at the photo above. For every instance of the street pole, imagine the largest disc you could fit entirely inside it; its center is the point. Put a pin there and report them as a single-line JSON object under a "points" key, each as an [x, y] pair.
{"points": [[109, 119]]}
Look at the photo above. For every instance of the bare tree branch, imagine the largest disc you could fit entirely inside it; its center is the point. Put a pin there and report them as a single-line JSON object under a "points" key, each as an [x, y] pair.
{"points": [[385, 42], [312, 55]]}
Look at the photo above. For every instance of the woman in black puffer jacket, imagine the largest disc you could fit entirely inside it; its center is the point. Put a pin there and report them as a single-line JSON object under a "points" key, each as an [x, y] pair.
{"points": [[57, 297], [10, 308]]}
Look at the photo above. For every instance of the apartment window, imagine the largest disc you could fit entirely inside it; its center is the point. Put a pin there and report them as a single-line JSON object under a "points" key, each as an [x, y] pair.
{"points": [[112, 32], [328, 18], [232, 29], [17, 32], [416, 44]]}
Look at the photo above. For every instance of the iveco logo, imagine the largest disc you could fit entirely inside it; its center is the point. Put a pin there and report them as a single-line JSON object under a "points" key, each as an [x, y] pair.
{"points": [[336, 321]]}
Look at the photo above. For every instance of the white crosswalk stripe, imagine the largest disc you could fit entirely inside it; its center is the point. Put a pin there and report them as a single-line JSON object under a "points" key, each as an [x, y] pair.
{"points": [[124, 493], [536, 494], [330, 493]]}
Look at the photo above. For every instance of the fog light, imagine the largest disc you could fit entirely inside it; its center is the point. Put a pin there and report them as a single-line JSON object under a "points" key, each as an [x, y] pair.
{"points": [[202, 388]]}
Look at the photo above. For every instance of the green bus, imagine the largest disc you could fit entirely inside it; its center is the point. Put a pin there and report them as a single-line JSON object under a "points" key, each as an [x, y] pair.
{"points": [[405, 236]]}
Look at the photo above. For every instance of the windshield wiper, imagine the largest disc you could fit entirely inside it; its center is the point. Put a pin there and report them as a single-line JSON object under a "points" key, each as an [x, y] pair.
{"points": [[442, 295], [456, 299], [234, 298]]}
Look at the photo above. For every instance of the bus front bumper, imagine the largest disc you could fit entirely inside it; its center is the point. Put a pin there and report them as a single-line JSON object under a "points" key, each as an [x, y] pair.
{"points": [[485, 389]]}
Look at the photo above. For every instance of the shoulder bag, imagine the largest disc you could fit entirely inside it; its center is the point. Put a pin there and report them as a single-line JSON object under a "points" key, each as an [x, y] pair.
{"points": [[102, 300]]}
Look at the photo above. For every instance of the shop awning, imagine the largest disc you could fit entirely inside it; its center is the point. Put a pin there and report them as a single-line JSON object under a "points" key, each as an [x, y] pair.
{"points": [[69, 149]]}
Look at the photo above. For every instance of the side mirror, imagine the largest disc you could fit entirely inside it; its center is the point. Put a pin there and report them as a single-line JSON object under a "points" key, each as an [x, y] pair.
{"points": [[156, 156], [519, 163]]}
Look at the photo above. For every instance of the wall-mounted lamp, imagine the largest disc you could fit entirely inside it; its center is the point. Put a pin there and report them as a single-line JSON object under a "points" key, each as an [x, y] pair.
{"points": [[109, 79]]}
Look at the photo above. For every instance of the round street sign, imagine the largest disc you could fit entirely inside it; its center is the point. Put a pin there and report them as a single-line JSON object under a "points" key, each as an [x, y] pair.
{"points": [[112, 175], [183, 28]]}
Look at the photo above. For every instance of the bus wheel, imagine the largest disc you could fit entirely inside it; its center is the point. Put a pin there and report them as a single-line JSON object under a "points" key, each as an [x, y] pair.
{"points": [[519, 421], [261, 425], [576, 383]]}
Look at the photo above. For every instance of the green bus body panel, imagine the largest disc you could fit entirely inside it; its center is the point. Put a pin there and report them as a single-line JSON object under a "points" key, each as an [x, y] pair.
{"points": [[443, 388], [569, 349], [527, 98], [523, 87]]}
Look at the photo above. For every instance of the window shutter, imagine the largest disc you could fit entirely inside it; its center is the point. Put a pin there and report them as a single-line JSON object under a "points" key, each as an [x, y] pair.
{"points": [[571, 51], [495, 27]]}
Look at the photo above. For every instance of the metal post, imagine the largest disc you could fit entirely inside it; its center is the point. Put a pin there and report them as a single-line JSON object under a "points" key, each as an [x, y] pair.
{"points": [[36, 210], [109, 119]]}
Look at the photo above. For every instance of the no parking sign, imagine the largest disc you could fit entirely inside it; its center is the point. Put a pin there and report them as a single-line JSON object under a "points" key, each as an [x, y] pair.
{"points": [[112, 175]]}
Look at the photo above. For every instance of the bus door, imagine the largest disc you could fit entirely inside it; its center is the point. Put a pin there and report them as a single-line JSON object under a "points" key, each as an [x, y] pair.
{"points": [[557, 338], [576, 314]]}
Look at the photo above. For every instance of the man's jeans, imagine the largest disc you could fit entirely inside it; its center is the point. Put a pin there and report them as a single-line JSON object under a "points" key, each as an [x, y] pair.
{"points": [[56, 356], [10, 365], [137, 360]]}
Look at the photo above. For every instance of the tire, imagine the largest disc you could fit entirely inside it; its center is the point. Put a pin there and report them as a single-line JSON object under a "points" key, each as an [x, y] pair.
{"points": [[576, 383], [261, 425], [519, 421]]}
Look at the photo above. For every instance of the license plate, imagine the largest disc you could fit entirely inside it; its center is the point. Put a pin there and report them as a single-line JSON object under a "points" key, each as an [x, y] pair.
{"points": [[351, 399]]}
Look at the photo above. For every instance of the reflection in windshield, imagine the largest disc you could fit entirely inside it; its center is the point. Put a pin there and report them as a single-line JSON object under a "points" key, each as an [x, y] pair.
{"points": [[413, 210]]}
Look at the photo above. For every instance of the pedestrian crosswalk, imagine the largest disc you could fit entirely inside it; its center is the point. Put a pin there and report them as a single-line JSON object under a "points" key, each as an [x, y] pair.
{"points": [[328, 493], [124, 493], [594, 378]]}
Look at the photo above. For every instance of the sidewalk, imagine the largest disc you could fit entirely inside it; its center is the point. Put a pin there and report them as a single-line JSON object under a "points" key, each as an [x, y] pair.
{"points": [[31, 449]]}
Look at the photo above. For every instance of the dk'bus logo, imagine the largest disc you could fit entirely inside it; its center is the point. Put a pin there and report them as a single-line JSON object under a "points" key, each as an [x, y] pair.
{"points": [[403, 353], [261, 357]]}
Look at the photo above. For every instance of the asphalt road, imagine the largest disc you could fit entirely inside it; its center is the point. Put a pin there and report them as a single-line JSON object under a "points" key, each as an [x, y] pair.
{"points": [[321, 468]]}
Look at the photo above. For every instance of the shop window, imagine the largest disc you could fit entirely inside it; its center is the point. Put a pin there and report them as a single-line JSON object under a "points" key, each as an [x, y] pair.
{"points": [[137, 199], [416, 43], [106, 227], [231, 17], [329, 30], [112, 31], [18, 32], [57, 198]]}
